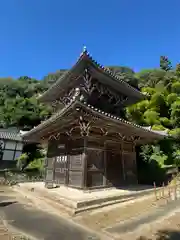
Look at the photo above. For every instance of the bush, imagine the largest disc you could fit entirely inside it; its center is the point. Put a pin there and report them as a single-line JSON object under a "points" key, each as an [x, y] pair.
{"points": [[21, 161], [37, 164]]}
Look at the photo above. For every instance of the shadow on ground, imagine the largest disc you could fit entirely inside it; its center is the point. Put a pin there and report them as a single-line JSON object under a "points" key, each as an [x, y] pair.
{"points": [[164, 235], [5, 204]]}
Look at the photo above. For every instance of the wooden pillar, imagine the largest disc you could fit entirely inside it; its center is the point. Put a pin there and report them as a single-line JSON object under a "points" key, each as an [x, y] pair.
{"points": [[129, 162], [122, 159], [49, 173], [105, 165], [85, 126], [135, 160], [85, 163]]}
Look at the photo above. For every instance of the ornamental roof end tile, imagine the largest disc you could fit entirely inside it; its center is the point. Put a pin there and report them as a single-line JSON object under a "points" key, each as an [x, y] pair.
{"points": [[84, 50]]}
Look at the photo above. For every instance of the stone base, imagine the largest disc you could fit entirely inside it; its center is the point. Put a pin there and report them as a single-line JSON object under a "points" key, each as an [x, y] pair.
{"points": [[74, 201]]}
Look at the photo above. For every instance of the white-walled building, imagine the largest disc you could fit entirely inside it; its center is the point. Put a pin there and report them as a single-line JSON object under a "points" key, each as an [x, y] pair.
{"points": [[11, 146]]}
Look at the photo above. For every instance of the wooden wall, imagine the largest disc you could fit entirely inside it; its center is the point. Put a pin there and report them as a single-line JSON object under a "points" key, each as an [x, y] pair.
{"points": [[91, 164], [113, 164], [66, 162]]}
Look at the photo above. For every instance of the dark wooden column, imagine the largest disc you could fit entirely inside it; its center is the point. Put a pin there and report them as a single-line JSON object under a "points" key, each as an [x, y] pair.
{"points": [[105, 165], [135, 161], [129, 162], [85, 163], [49, 169], [122, 159]]}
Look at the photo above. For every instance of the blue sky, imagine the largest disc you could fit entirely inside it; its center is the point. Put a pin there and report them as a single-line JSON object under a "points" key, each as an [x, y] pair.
{"points": [[42, 36]]}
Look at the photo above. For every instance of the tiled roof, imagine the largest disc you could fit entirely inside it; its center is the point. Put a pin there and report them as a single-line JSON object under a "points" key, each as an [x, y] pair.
{"points": [[59, 114], [11, 134], [85, 55], [146, 129]]}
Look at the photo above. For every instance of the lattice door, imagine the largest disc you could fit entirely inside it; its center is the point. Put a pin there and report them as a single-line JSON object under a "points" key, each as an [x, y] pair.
{"points": [[60, 169]]}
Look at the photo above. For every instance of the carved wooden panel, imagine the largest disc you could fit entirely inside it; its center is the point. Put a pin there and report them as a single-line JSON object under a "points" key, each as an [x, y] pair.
{"points": [[75, 178], [60, 170], [103, 93], [75, 161]]}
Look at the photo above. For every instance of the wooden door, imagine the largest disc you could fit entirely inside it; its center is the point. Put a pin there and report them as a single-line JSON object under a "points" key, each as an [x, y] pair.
{"points": [[129, 159], [60, 169], [95, 167], [114, 171]]}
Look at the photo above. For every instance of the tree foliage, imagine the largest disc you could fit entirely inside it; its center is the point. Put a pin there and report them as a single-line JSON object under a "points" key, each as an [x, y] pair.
{"points": [[18, 103], [160, 109]]}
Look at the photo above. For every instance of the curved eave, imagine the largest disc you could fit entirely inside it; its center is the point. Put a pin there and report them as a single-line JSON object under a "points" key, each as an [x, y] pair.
{"points": [[102, 115], [84, 58], [45, 124]]}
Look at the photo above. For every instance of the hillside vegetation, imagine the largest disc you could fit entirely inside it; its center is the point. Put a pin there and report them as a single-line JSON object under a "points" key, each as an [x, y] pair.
{"points": [[161, 109]]}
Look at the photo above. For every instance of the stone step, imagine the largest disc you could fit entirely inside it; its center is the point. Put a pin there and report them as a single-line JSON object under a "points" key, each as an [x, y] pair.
{"points": [[44, 202], [72, 207]]}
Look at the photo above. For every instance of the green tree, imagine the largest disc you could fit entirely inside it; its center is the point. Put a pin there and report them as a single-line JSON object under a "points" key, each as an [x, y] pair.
{"points": [[165, 63]]}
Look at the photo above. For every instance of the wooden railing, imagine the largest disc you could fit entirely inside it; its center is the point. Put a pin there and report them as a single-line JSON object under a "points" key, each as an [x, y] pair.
{"points": [[169, 193]]}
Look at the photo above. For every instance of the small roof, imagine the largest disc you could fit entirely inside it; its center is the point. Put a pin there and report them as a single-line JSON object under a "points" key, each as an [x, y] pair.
{"points": [[57, 120], [10, 134], [116, 82]]}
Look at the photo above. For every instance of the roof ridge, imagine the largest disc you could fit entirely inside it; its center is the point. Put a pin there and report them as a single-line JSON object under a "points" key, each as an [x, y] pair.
{"points": [[108, 72]]}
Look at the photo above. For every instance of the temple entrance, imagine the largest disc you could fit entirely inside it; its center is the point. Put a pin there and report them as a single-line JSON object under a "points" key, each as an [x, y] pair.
{"points": [[130, 167], [114, 169], [60, 169]]}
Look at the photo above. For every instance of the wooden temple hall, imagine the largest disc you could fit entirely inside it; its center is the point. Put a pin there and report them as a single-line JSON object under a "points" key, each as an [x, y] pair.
{"points": [[89, 144]]}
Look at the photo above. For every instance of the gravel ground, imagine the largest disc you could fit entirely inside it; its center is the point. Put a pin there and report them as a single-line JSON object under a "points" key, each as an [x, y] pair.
{"points": [[168, 229], [116, 213]]}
